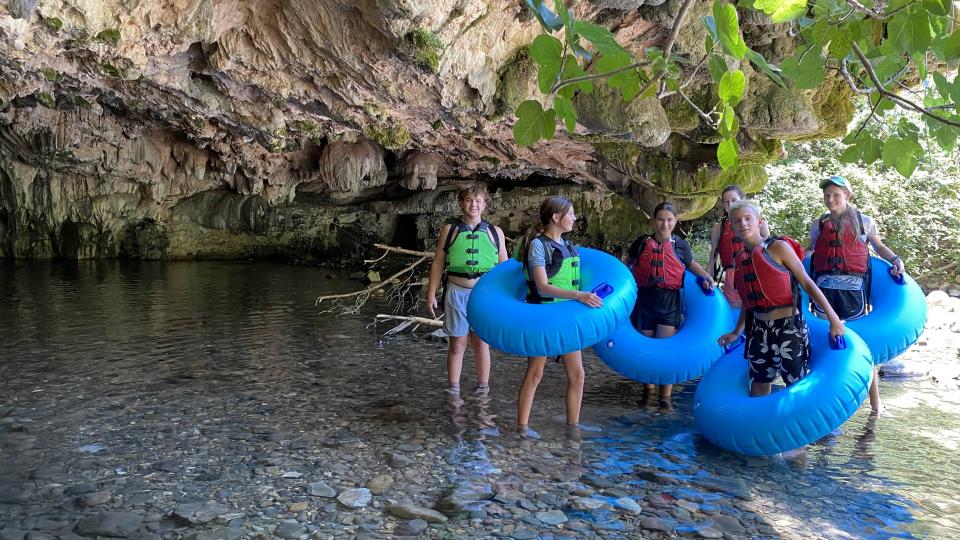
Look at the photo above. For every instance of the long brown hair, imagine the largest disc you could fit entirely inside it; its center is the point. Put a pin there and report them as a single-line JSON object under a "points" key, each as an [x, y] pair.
{"points": [[734, 188], [549, 207]]}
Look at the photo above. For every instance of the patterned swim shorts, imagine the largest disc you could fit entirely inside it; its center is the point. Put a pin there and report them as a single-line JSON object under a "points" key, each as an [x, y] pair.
{"points": [[778, 346]]}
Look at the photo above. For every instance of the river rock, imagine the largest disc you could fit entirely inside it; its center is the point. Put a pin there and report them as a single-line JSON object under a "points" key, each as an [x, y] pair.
{"points": [[290, 530], [653, 523], [627, 505], [414, 527], [94, 499], [412, 511], [122, 524], [355, 498], [321, 489], [198, 513], [728, 524], [463, 498], [379, 484], [552, 517]]}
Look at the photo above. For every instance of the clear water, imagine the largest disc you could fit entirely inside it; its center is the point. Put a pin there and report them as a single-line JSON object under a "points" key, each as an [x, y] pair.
{"points": [[145, 377]]}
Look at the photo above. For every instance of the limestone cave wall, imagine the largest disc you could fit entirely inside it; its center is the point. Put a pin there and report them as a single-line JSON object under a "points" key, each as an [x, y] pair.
{"points": [[304, 129]]}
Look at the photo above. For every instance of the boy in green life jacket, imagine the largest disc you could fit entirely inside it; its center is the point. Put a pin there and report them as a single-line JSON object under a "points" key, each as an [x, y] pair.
{"points": [[467, 248]]}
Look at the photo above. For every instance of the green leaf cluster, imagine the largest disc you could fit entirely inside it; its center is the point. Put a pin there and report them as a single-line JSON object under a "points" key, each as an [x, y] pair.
{"points": [[875, 46]]}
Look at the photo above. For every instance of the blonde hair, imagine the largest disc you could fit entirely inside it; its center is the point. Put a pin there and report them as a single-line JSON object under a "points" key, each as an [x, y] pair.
{"points": [[745, 204]]}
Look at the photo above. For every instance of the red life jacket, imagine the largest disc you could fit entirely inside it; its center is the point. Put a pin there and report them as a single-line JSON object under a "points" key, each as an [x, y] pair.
{"points": [[658, 265], [839, 250], [730, 244], [762, 285]]}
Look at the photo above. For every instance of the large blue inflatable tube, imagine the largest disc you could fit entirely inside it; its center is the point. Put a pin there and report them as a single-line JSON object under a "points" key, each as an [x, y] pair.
{"points": [[898, 316], [498, 313], [685, 355], [790, 418]]}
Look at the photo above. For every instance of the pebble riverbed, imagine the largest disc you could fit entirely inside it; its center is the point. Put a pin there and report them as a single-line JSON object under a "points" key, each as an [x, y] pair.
{"points": [[207, 400]]}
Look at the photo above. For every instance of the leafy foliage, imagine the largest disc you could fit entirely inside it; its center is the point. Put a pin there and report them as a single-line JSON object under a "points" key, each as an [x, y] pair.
{"points": [[874, 46]]}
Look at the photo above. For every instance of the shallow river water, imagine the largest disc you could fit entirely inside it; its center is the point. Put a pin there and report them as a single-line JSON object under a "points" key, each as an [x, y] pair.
{"points": [[212, 400]]}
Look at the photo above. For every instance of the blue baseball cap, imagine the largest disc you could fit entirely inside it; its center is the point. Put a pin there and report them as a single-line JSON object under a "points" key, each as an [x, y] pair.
{"points": [[837, 181]]}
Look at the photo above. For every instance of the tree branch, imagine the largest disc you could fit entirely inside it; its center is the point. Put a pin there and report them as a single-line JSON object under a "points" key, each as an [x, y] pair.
{"points": [[903, 102], [857, 6], [593, 76], [380, 285], [870, 117], [706, 117], [389, 249]]}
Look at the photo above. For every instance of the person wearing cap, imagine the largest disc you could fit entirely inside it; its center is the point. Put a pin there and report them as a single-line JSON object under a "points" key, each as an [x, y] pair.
{"points": [[840, 259]]}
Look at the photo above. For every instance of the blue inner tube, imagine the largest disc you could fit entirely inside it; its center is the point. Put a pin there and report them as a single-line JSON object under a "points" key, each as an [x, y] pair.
{"points": [[685, 355], [822, 401], [498, 313], [898, 316]]}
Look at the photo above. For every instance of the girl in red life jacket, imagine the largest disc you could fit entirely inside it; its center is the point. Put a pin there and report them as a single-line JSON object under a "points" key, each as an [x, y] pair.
{"points": [[543, 247], [658, 262], [724, 245], [768, 272], [840, 263]]}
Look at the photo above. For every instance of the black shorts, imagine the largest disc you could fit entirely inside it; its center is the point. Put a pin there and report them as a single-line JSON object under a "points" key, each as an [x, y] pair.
{"points": [[657, 306], [780, 346], [849, 305]]}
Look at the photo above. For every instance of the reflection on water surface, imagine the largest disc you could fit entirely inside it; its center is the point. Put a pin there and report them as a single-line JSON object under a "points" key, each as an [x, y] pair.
{"points": [[153, 389]]}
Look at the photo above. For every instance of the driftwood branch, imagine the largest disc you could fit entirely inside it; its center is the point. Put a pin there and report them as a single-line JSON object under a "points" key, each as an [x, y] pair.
{"points": [[377, 286], [390, 249], [412, 319]]}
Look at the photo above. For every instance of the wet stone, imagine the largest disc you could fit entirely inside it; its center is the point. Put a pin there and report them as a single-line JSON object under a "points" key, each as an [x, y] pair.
{"points": [[94, 499], [653, 523], [597, 481], [464, 498], [80, 489], [524, 534], [552, 517], [299, 506], [589, 503], [10, 533], [414, 527], [215, 533], [290, 530], [198, 513], [628, 505], [321, 489], [355, 498], [410, 447], [728, 524], [166, 466], [412, 511], [121, 524], [399, 461], [379, 484]]}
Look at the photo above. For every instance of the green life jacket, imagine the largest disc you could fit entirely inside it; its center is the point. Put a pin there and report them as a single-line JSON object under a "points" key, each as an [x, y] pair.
{"points": [[471, 252], [562, 267]]}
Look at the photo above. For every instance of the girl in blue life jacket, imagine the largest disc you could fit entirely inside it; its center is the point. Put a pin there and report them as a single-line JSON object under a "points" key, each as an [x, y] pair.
{"points": [[553, 274]]}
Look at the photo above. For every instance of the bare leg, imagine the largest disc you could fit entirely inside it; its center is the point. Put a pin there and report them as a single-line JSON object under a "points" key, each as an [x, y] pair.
{"points": [[573, 364], [664, 331], [650, 388], [528, 388], [760, 389], [455, 360], [481, 359], [875, 404]]}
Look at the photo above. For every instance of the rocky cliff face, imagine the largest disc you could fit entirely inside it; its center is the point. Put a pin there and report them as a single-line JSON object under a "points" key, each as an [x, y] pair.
{"points": [[181, 128]]}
